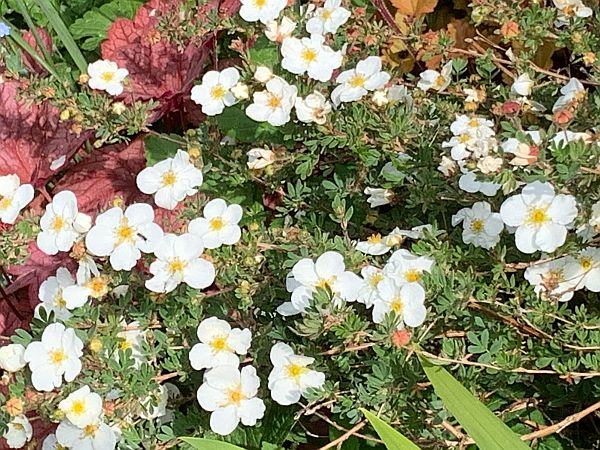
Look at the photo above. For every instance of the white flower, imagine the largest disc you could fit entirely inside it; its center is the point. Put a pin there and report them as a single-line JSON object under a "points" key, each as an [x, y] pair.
{"points": [[93, 436], [230, 394], [572, 94], [310, 56], [274, 104], [595, 219], [551, 280], [61, 224], [262, 74], [474, 95], [19, 432], [481, 227], [565, 137], [438, 81], [447, 166], [522, 85], [241, 91], [51, 294], [489, 164], [219, 225], [541, 217], [178, 260], [569, 9], [219, 344], [106, 76], [82, 407], [328, 18], [13, 197], [77, 295], [259, 158], [585, 269], [262, 10], [87, 269], [374, 245], [327, 272], [171, 180], [11, 357], [277, 32], [55, 356], [124, 235], [378, 196], [379, 98], [50, 443], [468, 182], [525, 153], [154, 411], [409, 268], [405, 300], [355, 83], [399, 93], [313, 108], [372, 278], [214, 94], [291, 377], [132, 338], [473, 137]]}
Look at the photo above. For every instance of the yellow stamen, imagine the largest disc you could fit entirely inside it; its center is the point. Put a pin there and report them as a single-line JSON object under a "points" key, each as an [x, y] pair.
{"points": [[439, 82], [177, 265], [477, 226], [375, 279], [90, 430], [464, 138], [236, 396], [218, 92], [124, 232], [108, 76], [586, 263], [169, 178], [538, 216], [357, 80], [59, 301], [295, 371], [58, 224], [375, 239], [220, 344], [98, 286], [473, 123], [308, 55], [260, 3], [78, 407], [325, 283], [412, 275], [5, 203], [326, 14], [216, 223], [57, 357], [274, 101], [397, 306], [125, 344]]}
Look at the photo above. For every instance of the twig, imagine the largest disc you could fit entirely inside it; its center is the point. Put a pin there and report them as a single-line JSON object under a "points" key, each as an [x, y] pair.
{"points": [[345, 436], [341, 428], [166, 376], [386, 15], [558, 427], [355, 348]]}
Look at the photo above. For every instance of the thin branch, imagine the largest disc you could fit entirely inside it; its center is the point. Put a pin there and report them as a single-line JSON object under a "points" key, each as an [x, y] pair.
{"points": [[338, 442]]}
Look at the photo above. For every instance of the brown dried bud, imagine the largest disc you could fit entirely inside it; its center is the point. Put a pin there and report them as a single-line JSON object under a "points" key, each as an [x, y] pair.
{"points": [[400, 338], [14, 406], [510, 29]]}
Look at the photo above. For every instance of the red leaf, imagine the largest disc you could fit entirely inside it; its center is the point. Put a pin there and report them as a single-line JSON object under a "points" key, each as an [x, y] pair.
{"points": [[29, 37], [32, 137], [105, 175], [159, 68]]}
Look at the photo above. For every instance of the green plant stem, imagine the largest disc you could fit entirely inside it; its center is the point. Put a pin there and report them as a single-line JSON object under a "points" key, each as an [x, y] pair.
{"points": [[25, 13], [63, 33]]}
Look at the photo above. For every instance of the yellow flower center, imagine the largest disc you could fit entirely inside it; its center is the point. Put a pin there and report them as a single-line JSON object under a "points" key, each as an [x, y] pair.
{"points": [[375, 279], [216, 223], [473, 123], [586, 263], [295, 371], [220, 344], [98, 286], [169, 178], [218, 92], [538, 216], [357, 80], [57, 357], [236, 396], [439, 82], [5, 203], [108, 76], [78, 407], [59, 301], [397, 305], [90, 430], [308, 55], [177, 265], [260, 3], [412, 275], [274, 101], [477, 226], [124, 232], [375, 239], [125, 344], [58, 224], [326, 14], [464, 138], [325, 283]]}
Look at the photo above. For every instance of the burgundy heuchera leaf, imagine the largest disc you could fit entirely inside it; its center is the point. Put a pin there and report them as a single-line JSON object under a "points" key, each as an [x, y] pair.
{"points": [[29, 37], [158, 68], [32, 137]]}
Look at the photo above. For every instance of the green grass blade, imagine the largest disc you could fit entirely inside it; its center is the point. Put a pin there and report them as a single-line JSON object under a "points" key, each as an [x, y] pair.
{"points": [[488, 431], [392, 439], [16, 37], [63, 33], [25, 13], [209, 444]]}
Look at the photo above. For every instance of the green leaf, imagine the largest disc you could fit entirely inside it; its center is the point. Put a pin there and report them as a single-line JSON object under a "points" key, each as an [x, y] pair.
{"points": [[235, 123], [489, 432], [209, 444], [393, 439], [63, 33], [158, 148], [264, 53], [93, 26]]}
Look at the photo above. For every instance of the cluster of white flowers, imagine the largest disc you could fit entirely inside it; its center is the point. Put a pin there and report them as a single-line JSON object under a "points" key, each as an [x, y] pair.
{"points": [[473, 138], [230, 392], [396, 288], [14, 196]]}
